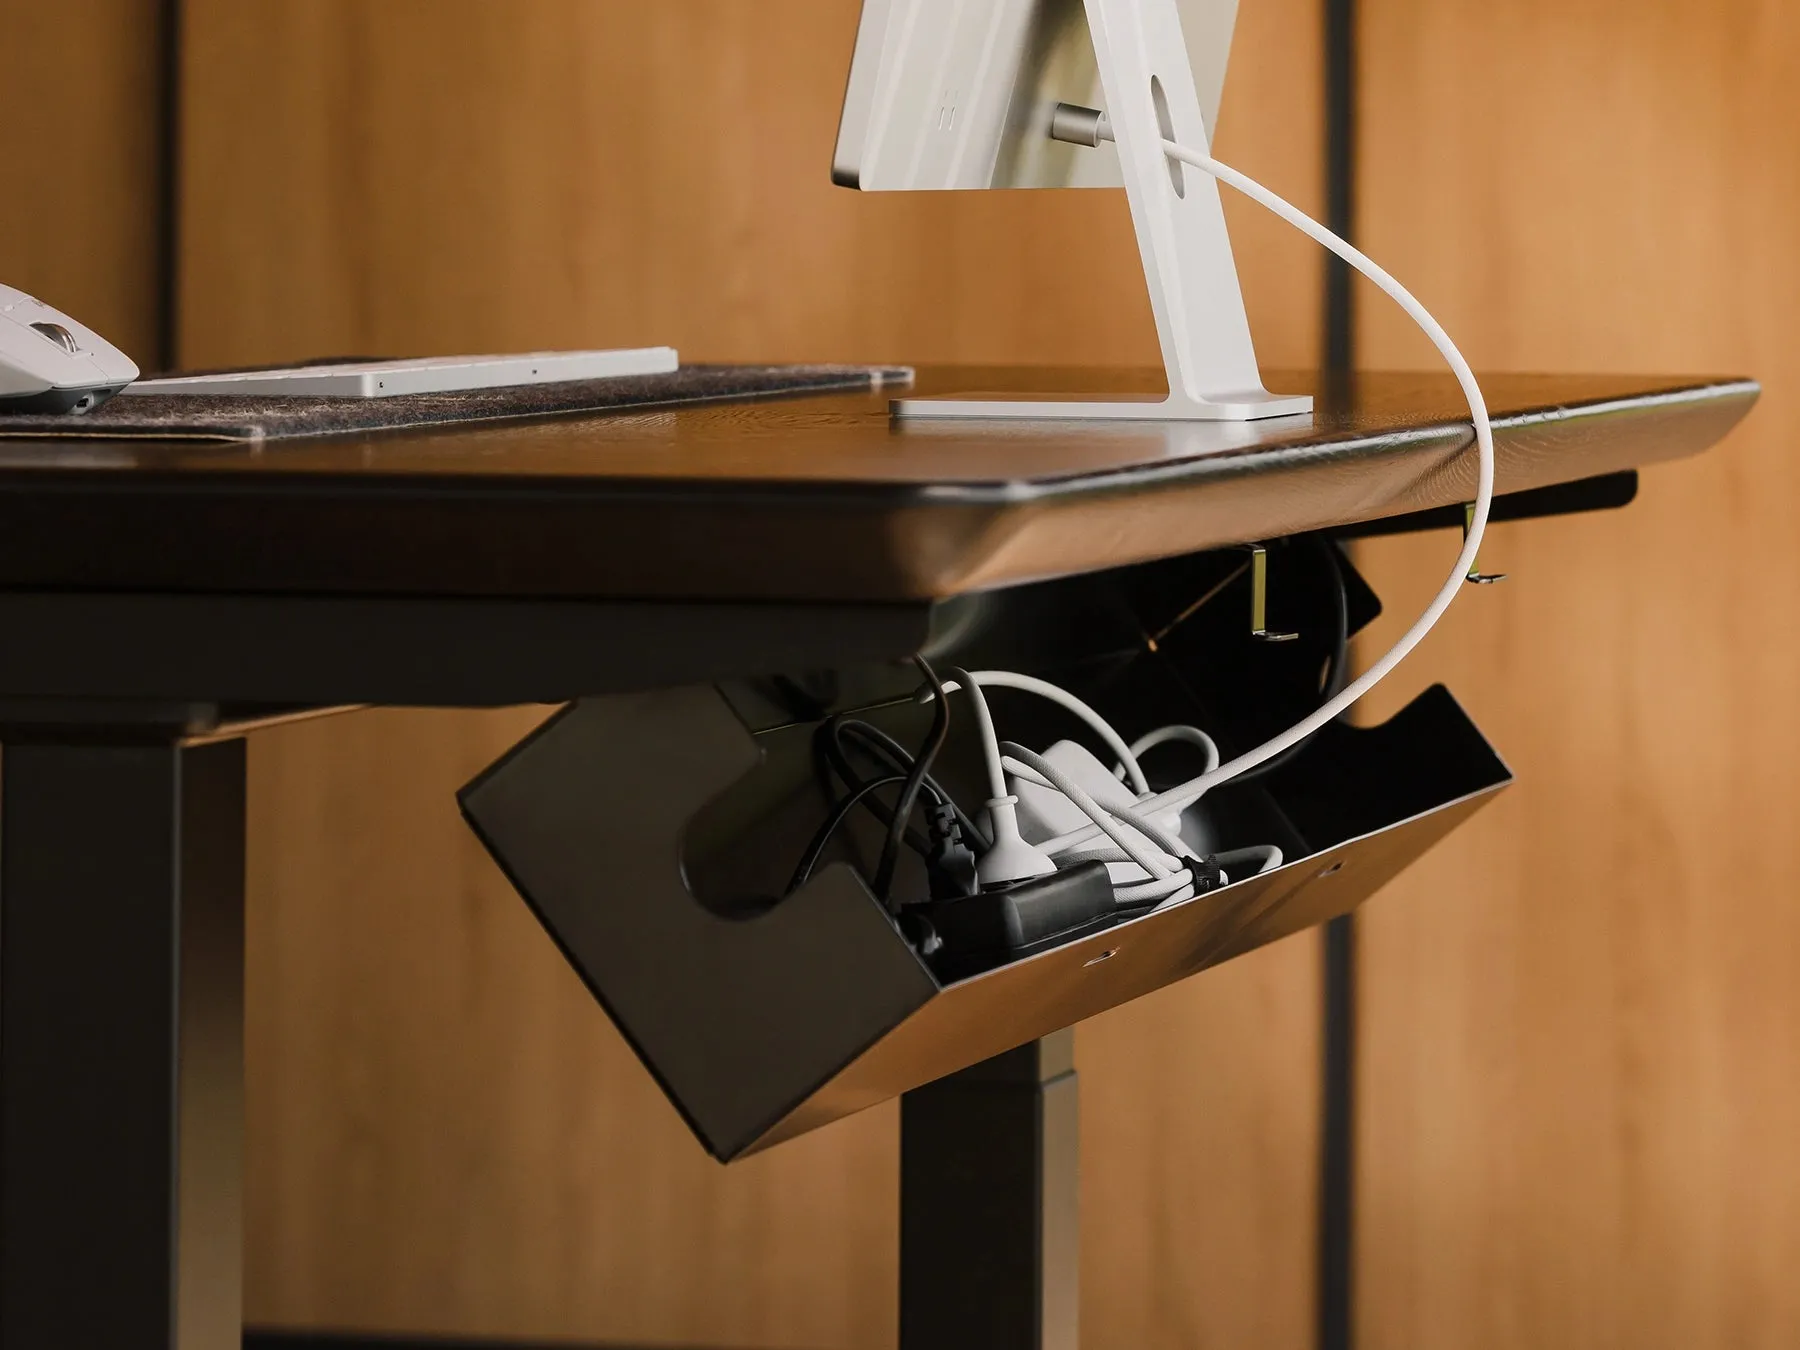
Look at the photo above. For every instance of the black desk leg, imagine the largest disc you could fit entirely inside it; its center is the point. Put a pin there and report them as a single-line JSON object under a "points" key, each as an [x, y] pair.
{"points": [[121, 1046], [990, 1205]]}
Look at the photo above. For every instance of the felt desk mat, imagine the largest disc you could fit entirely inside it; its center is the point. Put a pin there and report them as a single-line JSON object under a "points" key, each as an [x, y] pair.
{"points": [[261, 418]]}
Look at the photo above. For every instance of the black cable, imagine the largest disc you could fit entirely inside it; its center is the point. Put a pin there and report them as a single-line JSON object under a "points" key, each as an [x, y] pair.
{"points": [[816, 850], [897, 758], [836, 762], [909, 793], [1337, 670], [878, 744]]}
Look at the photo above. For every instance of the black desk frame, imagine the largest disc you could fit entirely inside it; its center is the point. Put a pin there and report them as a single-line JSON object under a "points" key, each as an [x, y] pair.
{"points": [[121, 1041], [122, 893]]}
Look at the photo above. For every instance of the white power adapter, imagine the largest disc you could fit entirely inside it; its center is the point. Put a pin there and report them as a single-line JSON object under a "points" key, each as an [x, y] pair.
{"points": [[1044, 813]]}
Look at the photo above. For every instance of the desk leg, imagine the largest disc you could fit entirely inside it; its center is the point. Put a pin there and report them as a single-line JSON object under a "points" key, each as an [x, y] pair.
{"points": [[121, 1045], [989, 1205]]}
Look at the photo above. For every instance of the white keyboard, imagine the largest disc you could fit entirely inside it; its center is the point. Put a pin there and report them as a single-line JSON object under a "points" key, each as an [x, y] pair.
{"points": [[432, 375]]}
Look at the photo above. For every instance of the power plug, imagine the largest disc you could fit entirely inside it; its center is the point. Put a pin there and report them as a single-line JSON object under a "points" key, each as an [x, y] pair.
{"points": [[1011, 858], [952, 865]]}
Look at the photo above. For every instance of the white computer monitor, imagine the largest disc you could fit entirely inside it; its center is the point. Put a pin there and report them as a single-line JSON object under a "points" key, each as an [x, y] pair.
{"points": [[955, 94], [963, 94]]}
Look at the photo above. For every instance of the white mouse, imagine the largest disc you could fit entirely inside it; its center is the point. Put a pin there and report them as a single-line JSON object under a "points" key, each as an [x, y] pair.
{"points": [[51, 363]]}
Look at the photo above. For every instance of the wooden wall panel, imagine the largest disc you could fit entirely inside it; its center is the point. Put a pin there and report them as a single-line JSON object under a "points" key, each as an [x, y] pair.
{"points": [[432, 175], [445, 1134], [80, 221], [1581, 1067]]}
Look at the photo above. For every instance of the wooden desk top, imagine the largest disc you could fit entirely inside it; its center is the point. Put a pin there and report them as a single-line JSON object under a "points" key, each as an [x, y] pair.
{"points": [[814, 499]]}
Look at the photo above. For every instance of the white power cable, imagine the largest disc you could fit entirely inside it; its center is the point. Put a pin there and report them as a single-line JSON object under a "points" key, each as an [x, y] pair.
{"points": [[1144, 744], [1163, 890], [984, 724], [1168, 881], [1180, 798], [1267, 857], [1008, 857]]}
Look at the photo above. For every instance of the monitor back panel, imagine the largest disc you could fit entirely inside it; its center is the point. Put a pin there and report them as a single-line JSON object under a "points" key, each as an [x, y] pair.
{"points": [[958, 94]]}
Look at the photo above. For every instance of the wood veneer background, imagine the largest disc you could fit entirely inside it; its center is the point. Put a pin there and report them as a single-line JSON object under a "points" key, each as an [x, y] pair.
{"points": [[445, 1134], [80, 139], [1581, 1016]]}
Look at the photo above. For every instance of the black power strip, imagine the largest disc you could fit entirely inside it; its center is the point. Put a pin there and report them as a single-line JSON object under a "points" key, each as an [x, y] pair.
{"points": [[979, 932]]}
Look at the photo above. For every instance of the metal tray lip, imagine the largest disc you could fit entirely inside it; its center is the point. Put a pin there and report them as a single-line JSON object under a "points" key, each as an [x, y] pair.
{"points": [[1312, 859]]}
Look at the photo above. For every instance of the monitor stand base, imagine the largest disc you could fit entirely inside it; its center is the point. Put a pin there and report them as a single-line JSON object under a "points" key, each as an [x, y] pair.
{"points": [[1248, 407]]}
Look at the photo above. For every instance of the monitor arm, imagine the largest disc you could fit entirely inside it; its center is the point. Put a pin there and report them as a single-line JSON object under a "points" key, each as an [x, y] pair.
{"points": [[1148, 80]]}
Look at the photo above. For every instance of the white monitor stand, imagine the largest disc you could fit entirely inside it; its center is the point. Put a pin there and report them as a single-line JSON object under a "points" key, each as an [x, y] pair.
{"points": [[950, 95]]}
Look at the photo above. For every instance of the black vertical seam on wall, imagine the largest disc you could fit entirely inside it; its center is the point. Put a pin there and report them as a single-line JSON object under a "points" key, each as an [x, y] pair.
{"points": [[1337, 1134], [1340, 180], [168, 188]]}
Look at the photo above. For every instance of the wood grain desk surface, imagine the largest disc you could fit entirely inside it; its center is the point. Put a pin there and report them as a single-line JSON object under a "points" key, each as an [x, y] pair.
{"points": [[822, 498]]}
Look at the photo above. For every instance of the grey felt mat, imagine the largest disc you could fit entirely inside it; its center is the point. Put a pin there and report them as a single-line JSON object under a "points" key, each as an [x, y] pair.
{"points": [[186, 417]]}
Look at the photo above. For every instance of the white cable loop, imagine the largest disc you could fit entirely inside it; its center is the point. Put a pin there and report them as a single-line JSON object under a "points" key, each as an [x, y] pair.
{"points": [[984, 723], [1180, 798], [1144, 744], [1267, 857], [1030, 684], [1100, 855], [1164, 890]]}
